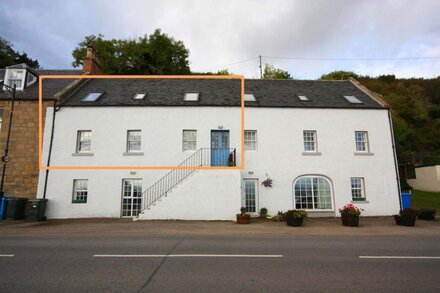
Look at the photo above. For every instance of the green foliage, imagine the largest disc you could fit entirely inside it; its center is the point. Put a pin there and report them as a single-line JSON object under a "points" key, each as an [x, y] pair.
{"points": [[157, 53], [425, 199], [295, 214], [270, 72], [10, 57], [338, 75]]}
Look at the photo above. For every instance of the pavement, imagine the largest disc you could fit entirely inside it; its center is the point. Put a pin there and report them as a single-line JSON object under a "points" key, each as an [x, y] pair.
{"points": [[369, 226]]}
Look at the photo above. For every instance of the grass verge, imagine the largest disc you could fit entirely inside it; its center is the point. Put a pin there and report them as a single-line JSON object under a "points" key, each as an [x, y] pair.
{"points": [[425, 199]]}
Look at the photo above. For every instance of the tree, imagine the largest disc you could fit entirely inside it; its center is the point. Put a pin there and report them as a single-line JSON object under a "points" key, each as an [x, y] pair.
{"points": [[339, 75], [157, 53], [10, 57], [270, 72]]}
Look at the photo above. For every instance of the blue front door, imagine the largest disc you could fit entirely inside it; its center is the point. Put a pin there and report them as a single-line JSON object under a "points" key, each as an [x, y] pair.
{"points": [[219, 147]]}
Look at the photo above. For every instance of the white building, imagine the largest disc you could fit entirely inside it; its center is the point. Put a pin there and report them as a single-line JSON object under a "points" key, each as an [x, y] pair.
{"points": [[322, 143]]}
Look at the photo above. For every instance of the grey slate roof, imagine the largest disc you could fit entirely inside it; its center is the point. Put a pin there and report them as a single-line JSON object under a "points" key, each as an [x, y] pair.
{"points": [[220, 92], [50, 86]]}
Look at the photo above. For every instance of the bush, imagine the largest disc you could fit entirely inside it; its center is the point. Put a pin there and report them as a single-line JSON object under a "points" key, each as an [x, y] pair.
{"points": [[409, 212], [263, 213], [295, 214], [427, 214]]}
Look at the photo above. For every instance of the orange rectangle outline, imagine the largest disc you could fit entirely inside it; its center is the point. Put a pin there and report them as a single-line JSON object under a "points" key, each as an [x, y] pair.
{"points": [[40, 122]]}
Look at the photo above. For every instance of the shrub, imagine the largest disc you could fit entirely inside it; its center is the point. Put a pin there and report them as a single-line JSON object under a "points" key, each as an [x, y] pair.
{"points": [[409, 212], [263, 212], [295, 214]]}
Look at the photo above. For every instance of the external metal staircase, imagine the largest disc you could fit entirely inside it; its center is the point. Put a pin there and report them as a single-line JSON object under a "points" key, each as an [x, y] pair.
{"points": [[202, 157]]}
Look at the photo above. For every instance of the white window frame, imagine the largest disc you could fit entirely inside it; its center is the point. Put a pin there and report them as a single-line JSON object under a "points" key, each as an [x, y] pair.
{"points": [[139, 96], [189, 143], [353, 100], [80, 190], [313, 190], [130, 141], [314, 141], [80, 140], [255, 200], [357, 188], [92, 97], [364, 142], [191, 97], [250, 140], [8, 79], [249, 97], [131, 200]]}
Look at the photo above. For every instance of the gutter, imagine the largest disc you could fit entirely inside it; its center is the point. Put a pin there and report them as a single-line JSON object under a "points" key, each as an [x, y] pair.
{"points": [[50, 148]]}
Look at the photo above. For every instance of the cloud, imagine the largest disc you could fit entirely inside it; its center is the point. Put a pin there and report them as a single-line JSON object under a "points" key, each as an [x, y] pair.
{"points": [[223, 32]]}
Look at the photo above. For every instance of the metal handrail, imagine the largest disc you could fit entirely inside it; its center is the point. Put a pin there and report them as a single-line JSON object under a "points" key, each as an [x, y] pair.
{"points": [[202, 157]]}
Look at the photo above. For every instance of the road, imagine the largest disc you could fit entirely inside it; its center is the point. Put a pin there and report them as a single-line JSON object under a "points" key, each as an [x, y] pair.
{"points": [[127, 263]]}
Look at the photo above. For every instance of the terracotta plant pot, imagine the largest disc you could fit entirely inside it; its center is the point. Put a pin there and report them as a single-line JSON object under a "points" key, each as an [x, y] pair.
{"points": [[243, 219], [350, 221], [294, 222], [405, 220]]}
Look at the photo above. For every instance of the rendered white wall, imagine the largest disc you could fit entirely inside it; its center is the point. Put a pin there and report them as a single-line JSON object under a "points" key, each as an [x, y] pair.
{"points": [[279, 154], [199, 197], [427, 179]]}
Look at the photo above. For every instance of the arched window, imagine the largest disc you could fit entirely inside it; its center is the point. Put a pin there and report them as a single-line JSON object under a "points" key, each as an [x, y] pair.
{"points": [[312, 193]]}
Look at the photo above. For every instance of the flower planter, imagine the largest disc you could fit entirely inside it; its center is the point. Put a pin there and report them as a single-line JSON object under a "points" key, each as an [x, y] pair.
{"points": [[427, 214], [294, 222], [350, 221], [405, 220], [243, 219]]}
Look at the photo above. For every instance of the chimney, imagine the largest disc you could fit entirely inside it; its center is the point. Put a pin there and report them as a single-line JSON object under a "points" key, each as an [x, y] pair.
{"points": [[91, 62]]}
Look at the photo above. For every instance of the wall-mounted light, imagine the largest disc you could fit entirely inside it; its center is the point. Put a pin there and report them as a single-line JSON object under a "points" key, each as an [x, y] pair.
{"points": [[220, 127], [132, 173], [251, 172]]}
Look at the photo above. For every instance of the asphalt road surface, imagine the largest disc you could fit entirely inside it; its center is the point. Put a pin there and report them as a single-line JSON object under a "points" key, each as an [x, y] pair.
{"points": [[122, 263]]}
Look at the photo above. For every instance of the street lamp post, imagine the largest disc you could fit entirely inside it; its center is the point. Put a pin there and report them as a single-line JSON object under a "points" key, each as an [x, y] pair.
{"points": [[5, 157]]}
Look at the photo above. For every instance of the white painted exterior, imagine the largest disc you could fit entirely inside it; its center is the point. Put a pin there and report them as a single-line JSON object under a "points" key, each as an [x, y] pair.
{"points": [[427, 179], [279, 155]]}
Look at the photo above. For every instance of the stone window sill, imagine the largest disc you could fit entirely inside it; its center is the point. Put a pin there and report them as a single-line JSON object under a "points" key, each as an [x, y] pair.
{"points": [[363, 154], [82, 154], [133, 154], [359, 201], [311, 153]]}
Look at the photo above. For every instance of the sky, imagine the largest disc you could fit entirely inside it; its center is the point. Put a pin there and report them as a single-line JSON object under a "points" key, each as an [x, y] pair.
{"points": [[232, 34]]}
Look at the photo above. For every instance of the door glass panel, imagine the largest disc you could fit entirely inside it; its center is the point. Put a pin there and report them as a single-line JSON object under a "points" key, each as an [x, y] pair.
{"points": [[250, 194], [131, 197]]}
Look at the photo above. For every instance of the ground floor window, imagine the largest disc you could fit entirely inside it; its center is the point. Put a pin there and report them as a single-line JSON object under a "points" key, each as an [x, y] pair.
{"points": [[313, 193], [250, 195], [357, 189], [80, 191], [131, 197]]}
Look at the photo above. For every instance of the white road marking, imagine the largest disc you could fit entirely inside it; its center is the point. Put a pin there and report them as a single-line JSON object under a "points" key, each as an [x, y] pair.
{"points": [[192, 255], [7, 255], [401, 257]]}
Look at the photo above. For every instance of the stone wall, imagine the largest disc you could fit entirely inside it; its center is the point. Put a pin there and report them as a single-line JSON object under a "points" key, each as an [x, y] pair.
{"points": [[22, 169]]}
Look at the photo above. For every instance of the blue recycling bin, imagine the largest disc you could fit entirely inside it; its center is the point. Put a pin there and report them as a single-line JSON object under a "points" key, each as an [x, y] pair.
{"points": [[3, 206], [406, 200]]}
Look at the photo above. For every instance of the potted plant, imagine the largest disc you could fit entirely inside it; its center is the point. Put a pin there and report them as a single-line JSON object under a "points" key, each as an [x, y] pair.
{"points": [[406, 217], [263, 213], [243, 217], [279, 217], [267, 182], [295, 218], [350, 215], [427, 214]]}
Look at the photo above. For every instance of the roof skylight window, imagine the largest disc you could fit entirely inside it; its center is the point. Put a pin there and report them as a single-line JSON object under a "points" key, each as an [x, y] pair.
{"points": [[191, 97], [92, 97], [353, 99], [139, 96], [249, 98], [303, 98]]}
